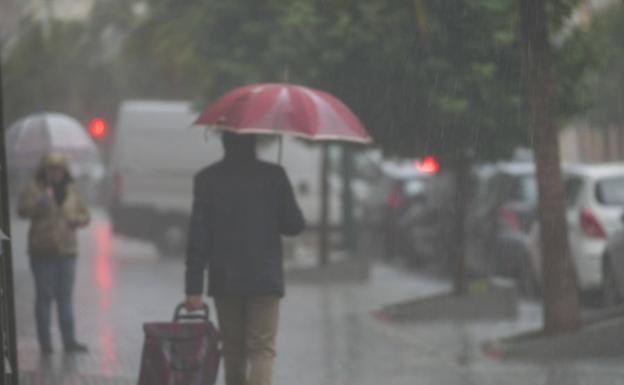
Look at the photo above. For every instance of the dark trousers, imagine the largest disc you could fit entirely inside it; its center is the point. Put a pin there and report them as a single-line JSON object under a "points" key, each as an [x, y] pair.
{"points": [[54, 282]]}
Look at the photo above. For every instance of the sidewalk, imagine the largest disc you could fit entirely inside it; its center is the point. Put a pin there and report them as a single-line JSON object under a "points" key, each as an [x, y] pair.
{"points": [[327, 334]]}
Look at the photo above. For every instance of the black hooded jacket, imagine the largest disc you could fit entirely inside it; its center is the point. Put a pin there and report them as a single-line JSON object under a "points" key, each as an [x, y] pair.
{"points": [[241, 208]]}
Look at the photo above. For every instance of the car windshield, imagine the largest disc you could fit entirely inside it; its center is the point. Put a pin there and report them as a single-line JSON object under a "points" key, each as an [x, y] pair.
{"points": [[610, 192]]}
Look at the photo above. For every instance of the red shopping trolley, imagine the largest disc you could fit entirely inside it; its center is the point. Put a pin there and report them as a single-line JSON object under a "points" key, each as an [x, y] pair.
{"points": [[183, 352]]}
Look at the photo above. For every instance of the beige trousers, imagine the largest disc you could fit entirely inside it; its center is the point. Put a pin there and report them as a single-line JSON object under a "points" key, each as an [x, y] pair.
{"points": [[248, 329]]}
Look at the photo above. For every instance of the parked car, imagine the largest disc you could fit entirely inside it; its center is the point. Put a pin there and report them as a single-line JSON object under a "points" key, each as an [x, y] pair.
{"points": [[613, 268], [500, 214], [396, 201], [415, 217], [594, 200]]}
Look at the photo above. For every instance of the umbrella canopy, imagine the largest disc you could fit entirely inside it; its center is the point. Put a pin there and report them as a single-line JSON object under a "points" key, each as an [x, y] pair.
{"points": [[31, 137], [284, 109]]}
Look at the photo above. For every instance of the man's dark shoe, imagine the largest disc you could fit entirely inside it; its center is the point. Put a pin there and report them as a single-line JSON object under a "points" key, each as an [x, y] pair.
{"points": [[76, 347]]}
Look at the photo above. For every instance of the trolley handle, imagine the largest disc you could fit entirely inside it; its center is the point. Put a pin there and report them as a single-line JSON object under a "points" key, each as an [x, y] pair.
{"points": [[202, 314]]}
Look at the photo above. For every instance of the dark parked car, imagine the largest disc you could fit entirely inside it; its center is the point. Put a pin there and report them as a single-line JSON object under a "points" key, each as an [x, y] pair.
{"points": [[395, 199], [500, 216]]}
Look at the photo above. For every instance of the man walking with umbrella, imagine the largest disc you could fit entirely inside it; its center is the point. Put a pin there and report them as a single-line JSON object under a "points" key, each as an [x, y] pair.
{"points": [[241, 208]]}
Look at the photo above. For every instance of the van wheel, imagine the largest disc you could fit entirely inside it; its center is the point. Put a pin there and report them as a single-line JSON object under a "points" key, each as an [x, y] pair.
{"points": [[611, 295], [171, 239]]}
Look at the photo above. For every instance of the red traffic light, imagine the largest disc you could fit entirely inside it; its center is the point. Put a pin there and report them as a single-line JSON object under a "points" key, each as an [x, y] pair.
{"points": [[98, 127], [428, 164]]}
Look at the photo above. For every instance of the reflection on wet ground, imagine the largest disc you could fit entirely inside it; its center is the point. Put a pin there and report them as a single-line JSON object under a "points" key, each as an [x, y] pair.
{"points": [[327, 334]]}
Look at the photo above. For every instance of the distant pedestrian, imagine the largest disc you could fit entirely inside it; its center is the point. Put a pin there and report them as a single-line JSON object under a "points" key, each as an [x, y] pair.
{"points": [[55, 209], [241, 208]]}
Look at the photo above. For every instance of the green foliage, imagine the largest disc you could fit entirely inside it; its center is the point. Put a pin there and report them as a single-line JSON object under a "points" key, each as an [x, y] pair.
{"points": [[573, 63], [69, 67], [449, 86], [606, 82], [558, 12], [37, 74], [425, 76]]}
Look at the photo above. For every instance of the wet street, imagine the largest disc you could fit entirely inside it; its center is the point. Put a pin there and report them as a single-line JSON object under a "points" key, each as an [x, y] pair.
{"points": [[327, 335]]}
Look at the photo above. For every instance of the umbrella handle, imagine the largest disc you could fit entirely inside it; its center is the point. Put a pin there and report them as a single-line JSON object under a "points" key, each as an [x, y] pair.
{"points": [[280, 150]]}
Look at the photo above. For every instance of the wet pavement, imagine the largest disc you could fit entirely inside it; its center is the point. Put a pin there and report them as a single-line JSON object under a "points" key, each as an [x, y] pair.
{"points": [[327, 334]]}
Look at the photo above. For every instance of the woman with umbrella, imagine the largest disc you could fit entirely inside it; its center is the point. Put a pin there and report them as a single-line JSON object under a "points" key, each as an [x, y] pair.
{"points": [[56, 210]]}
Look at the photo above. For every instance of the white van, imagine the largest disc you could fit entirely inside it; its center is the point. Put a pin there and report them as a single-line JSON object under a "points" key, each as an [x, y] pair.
{"points": [[156, 153]]}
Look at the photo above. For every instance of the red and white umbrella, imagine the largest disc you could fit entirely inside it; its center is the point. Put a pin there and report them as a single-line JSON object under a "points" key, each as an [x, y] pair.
{"points": [[284, 109]]}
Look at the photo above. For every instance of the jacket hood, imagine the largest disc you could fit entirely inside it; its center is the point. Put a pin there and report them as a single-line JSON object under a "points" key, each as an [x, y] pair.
{"points": [[53, 159]]}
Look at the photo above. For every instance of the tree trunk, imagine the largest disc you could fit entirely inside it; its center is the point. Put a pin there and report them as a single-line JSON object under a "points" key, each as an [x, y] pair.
{"points": [[561, 301]]}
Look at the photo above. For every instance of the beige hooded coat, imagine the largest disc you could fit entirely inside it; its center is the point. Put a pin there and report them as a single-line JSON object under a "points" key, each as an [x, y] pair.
{"points": [[53, 226]]}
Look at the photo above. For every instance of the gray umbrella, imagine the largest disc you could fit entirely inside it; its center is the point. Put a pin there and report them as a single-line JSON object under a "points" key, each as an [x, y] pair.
{"points": [[31, 137]]}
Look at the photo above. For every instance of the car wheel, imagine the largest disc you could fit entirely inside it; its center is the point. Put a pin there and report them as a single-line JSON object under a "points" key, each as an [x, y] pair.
{"points": [[611, 295]]}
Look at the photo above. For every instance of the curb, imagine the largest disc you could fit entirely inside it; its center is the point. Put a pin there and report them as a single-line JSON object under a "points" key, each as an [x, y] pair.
{"points": [[597, 338], [489, 299]]}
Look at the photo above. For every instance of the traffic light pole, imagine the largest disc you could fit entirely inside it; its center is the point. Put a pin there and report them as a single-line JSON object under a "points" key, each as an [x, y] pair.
{"points": [[8, 361]]}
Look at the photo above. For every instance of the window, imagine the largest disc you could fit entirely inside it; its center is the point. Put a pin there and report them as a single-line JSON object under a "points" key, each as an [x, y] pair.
{"points": [[610, 192]]}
